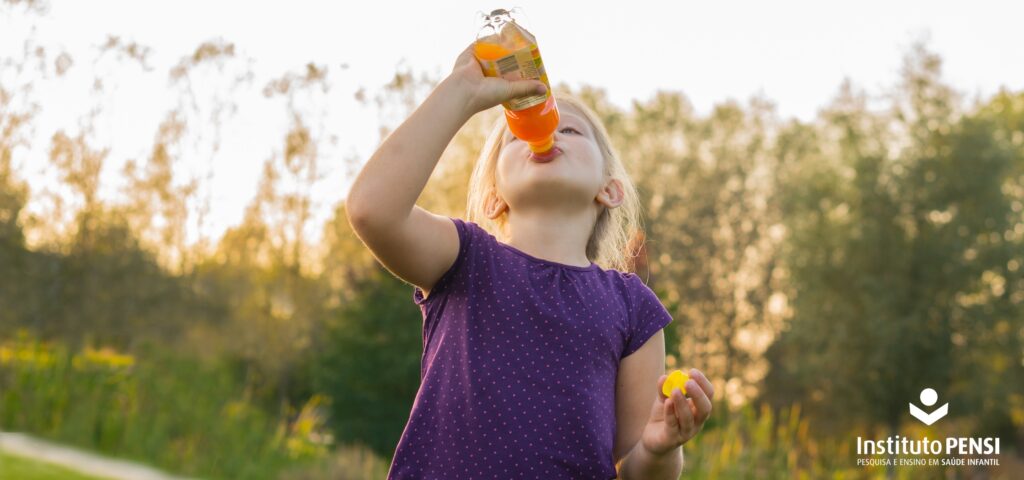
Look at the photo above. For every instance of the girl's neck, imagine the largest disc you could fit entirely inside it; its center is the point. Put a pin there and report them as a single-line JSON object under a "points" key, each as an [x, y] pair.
{"points": [[556, 236]]}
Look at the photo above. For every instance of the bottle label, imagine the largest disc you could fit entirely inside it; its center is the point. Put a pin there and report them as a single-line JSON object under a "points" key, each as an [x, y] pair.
{"points": [[522, 64]]}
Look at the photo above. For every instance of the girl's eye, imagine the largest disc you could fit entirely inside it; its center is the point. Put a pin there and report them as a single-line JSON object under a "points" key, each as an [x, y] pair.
{"points": [[570, 129]]}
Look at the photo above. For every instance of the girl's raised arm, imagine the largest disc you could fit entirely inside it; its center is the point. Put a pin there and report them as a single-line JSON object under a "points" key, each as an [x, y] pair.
{"points": [[414, 244]]}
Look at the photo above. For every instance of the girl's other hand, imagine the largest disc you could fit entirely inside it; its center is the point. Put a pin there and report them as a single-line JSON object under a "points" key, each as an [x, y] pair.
{"points": [[481, 92], [677, 419]]}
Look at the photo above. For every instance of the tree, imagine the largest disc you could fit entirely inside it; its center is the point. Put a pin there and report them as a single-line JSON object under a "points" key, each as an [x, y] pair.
{"points": [[369, 362], [707, 195], [901, 235]]}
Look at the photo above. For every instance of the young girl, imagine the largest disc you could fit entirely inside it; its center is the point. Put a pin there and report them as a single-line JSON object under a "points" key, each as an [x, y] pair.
{"points": [[538, 362]]}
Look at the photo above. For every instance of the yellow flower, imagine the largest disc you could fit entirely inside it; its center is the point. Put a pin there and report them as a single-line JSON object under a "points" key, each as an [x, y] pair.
{"points": [[104, 357], [676, 379], [26, 354], [306, 435]]}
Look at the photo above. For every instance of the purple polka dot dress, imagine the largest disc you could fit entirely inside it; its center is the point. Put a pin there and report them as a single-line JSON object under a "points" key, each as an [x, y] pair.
{"points": [[520, 357]]}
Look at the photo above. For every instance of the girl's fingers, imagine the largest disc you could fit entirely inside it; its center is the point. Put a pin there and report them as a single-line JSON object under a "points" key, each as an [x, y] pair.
{"points": [[683, 411], [522, 88], [670, 416], [703, 381], [466, 55], [700, 401]]}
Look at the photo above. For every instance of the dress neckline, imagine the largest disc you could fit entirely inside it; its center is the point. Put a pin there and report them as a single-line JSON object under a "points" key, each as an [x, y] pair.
{"points": [[521, 253]]}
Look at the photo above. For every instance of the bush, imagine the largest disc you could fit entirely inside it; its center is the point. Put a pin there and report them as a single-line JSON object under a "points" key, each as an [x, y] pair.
{"points": [[180, 414]]}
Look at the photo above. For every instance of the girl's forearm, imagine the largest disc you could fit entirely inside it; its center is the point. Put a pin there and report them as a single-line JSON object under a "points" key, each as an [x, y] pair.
{"points": [[388, 185], [641, 464]]}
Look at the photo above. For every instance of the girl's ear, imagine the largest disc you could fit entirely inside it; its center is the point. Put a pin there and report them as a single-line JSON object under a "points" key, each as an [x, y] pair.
{"points": [[494, 207], [611, 195]]}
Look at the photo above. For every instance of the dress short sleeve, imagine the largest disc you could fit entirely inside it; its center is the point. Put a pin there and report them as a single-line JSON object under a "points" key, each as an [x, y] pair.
{"points": [[466, 234], [647, 315]]}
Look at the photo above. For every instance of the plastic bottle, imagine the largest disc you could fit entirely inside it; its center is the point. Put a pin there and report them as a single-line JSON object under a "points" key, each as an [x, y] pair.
{"points": [[505, 49]]}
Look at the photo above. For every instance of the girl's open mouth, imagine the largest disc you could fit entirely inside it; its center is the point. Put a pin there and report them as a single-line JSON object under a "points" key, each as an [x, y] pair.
{"points": [[546, 156]]}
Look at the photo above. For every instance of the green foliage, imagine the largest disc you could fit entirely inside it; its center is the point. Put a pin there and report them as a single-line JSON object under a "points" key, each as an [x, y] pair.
{"points": [[107, 279], [762, 442], [347, 462], [370, 363], [25, 469], [904, 264], [177, 413]]}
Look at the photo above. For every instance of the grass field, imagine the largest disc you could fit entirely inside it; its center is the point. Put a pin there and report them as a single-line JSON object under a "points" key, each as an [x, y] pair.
{"points": [[25, 469]]}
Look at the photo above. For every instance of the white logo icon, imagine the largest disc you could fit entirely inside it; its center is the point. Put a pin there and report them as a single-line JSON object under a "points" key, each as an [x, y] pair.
{"points": [[928, 398]]}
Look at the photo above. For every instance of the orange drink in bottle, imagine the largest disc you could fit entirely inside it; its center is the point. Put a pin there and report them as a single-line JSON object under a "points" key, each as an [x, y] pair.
{"points": [[505, 49]]}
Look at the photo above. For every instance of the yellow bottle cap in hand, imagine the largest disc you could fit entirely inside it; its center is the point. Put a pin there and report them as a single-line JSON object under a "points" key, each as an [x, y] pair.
{"points": [[676, 379]]}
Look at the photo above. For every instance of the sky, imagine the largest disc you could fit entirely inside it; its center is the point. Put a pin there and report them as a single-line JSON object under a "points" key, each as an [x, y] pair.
{"points": [[795, 53]]}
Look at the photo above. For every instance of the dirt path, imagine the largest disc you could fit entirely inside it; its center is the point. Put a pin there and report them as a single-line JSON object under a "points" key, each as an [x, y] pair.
{"points": [[78, 460]]}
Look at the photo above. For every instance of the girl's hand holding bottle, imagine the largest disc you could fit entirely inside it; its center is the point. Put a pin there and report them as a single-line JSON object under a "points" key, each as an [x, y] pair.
{"points": [[480, 92]]}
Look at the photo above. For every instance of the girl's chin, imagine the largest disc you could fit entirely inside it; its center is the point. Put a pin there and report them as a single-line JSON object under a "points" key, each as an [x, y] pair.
{"points": [[552, 186]]}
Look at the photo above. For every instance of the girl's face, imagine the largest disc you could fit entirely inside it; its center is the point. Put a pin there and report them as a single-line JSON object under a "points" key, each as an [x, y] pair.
{"points": [[572, 179]]}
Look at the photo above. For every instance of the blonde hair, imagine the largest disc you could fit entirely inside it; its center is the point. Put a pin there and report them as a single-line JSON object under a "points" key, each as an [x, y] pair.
{"points": [[616, 231]]}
